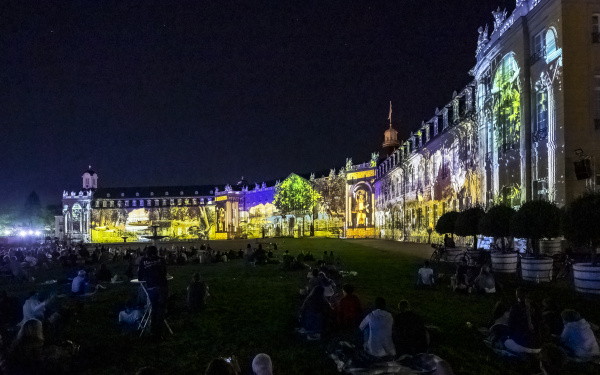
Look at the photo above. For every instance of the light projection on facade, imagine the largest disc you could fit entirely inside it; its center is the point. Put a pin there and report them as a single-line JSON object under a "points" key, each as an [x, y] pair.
{"points": [[179, 222], [507, 105]]}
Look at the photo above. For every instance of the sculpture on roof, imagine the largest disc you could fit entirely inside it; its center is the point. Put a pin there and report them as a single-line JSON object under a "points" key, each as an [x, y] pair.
{"points": [[499, 17], [348, 164], [374, 158], [482, 40]]}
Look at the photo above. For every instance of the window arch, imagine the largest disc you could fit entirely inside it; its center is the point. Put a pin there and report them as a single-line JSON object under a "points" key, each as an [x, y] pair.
{"points": [[552, 50], [506, 93]]}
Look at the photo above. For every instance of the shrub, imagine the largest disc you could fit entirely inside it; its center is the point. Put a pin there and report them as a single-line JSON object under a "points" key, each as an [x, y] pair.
{"points": [[446, 222], [496, 222], [467, 223], [536, 220]]}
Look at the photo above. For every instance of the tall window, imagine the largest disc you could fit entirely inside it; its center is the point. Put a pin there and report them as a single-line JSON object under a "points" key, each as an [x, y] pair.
{"points": [[596, 28], [542, 111], [539, 46]]}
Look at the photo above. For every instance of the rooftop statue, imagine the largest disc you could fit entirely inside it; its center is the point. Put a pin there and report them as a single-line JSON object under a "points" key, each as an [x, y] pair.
{"points": [[499, 17]]}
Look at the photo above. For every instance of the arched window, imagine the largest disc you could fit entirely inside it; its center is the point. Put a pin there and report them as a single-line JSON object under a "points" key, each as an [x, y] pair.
{"points": [[552, 50], [507, 105]]}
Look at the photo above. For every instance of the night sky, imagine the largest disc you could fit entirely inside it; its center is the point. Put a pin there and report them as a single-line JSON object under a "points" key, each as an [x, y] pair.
{"points": [[177, 92]]}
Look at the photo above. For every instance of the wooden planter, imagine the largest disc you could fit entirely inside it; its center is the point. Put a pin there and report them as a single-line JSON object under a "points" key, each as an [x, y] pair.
{"points": [[550, 247], [587, 278], [536, 269], [505, 262]]}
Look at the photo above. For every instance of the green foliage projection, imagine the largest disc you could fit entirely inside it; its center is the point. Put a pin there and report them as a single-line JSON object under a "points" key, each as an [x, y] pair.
{"points": [[507, 105], [295, 195]]}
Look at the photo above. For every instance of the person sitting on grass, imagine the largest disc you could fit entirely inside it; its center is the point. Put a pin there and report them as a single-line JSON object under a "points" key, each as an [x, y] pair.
{"points": [[552, 323], [313, 281], [28, 354], [460, 280], [377, 327], [313, 313], [130, 316], [197, 294], [425, 276], [79, 284], [410, 335], [349, 312], [577, 336], [34, 308], [262, 365], [485, 282], [521, 335]]}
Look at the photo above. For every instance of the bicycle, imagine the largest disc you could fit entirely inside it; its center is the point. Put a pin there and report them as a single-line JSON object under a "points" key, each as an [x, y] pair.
{"points": [[562, 267], [439, 253]]}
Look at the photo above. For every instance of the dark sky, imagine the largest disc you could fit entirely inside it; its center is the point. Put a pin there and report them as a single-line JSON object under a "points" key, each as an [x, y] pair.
{"points": [[199, 92]]}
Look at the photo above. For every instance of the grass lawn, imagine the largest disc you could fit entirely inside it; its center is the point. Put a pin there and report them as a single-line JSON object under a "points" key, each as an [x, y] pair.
{"points": [[254, 309]]}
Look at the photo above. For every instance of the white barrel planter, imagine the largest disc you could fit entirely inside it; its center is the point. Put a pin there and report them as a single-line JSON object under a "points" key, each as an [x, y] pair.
{"points": [[536, 269], [550, 247], [587, 278], [504, 262], [454, 254]]}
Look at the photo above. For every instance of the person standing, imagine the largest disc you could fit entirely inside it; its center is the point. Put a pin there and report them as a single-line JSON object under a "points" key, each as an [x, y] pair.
{"points": [[153, 271]]}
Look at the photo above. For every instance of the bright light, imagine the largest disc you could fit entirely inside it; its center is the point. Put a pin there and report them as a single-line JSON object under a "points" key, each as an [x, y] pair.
{"points": [[30, 232], [6, 232], [37, 233], [22, 233]]}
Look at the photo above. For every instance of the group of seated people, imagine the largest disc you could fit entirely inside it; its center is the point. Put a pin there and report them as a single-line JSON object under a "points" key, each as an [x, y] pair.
{"points": [[524, 327], [462, 280], [382, 335]]}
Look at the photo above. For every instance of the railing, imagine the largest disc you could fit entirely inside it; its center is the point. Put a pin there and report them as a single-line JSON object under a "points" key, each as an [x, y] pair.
{"points": [[537, 56]]}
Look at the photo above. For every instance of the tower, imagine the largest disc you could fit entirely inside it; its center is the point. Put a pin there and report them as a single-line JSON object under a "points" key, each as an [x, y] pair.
{"points": [[390, 143], [90, 179]]}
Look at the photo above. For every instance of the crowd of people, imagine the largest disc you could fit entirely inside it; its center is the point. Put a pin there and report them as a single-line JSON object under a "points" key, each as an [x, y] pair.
{"points": [[329, 310]]}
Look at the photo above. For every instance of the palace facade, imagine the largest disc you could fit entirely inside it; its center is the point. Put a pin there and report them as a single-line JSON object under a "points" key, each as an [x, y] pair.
{"points": [[526, 127]]}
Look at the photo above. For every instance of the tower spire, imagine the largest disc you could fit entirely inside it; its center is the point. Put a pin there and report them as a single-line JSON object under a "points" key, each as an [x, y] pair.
{"points": [[390, 115]]}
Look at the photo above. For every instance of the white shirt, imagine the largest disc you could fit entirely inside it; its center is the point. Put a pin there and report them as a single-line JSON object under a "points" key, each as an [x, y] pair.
{"points": [[426, 276], [78, 284], [379, 343], [33, 309]]}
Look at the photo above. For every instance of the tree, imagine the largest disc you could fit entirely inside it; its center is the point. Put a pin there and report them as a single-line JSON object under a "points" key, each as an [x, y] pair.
{"points": [[467, 223], [332, 190], [496, 222], [295, 196], [581, 222], [446, 223], [536, 220]]}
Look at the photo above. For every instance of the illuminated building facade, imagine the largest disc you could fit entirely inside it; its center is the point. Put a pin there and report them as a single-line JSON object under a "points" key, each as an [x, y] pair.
{"points": [[526, 128]]}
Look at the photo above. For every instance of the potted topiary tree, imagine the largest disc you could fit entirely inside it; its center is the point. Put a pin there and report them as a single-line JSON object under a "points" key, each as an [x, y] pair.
{"points": [[536, 220], [445, 225], [496, 223], [446, 222], [467, 223], [581, 225]]}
